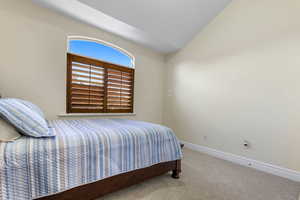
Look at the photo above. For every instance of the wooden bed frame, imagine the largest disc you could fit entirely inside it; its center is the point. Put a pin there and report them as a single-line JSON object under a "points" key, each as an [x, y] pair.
{"points": [[114, 183]]}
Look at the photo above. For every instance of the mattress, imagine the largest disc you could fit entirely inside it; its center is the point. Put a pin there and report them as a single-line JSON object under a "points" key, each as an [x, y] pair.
{"points": [[83, 151]]}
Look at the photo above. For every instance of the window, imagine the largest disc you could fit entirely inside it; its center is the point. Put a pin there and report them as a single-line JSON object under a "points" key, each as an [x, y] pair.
{"points": [[100, 78], [99, 51]]}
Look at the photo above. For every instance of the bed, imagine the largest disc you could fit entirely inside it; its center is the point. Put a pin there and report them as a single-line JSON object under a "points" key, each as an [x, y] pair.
{"points": [[87, 159]]}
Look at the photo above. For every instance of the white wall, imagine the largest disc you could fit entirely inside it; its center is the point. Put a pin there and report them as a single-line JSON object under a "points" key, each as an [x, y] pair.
{"points": [[239, 79], [33, 44]]}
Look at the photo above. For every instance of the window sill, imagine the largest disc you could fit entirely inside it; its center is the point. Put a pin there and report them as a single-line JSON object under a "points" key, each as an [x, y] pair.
{"points": [[94, 114]]}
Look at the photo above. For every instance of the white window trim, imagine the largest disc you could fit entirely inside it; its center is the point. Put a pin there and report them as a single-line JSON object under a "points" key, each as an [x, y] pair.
{"points": [[94, 114], [84, 38]]}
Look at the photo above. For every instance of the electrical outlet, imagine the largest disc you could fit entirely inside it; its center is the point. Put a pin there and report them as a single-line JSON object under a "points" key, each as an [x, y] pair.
{"points": [[246, 144]]}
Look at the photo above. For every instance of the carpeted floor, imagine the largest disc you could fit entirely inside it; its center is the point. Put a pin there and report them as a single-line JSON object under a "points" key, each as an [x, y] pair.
{"points": [[208, 178]]}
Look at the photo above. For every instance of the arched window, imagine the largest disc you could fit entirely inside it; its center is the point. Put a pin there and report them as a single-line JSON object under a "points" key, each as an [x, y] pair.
{"points": [[100, 77], [100, 50]]}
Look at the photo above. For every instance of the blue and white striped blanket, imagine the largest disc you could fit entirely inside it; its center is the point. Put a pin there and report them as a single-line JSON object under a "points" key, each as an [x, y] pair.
{"points": [[82, 152]]}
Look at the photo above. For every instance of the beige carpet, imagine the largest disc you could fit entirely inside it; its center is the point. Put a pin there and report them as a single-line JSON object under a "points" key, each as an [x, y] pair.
{"points": [[208, 178]]}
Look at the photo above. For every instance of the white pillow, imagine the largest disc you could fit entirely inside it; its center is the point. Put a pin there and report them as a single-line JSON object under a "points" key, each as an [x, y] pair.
{"points": [[7, 132]]}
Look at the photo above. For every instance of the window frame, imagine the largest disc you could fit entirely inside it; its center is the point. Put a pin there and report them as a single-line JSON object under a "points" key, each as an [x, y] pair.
{"points": [[102, 42], [106, 65]]}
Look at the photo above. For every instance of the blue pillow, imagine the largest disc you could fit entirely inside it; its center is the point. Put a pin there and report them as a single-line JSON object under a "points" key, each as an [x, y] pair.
{"points": [[25, 119], [33, 107]]}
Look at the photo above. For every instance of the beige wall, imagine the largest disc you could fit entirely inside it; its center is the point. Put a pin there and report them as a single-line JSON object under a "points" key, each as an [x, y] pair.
{"points": [[33, 43], [239, 79]]}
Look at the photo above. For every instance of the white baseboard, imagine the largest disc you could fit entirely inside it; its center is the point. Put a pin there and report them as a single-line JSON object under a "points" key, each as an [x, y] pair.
{"points": [[262, 166]]}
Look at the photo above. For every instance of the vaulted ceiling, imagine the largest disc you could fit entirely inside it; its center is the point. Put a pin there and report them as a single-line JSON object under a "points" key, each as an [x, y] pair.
{"points": [[163, 25]]}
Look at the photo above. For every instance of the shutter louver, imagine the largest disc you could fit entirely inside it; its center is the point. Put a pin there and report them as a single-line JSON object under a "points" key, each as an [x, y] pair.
{"points": [[95, 86], [119, 91]]}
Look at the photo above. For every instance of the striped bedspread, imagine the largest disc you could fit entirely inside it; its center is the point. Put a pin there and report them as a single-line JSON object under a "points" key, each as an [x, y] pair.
{"points": [[83, 151]]}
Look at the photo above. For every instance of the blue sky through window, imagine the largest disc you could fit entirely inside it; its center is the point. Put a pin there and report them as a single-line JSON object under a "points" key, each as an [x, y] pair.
{"points": [[99, 51]]}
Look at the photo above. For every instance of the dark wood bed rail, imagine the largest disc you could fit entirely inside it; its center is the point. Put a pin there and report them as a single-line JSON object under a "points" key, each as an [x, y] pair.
{"points": [[114, 183]]}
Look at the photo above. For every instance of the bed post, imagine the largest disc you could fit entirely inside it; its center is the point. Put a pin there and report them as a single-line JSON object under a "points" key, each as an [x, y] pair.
{"points": [[177, 170]]}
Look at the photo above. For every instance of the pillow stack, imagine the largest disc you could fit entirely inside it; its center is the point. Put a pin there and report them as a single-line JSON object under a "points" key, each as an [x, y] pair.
{"points": [[25, 117]]}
